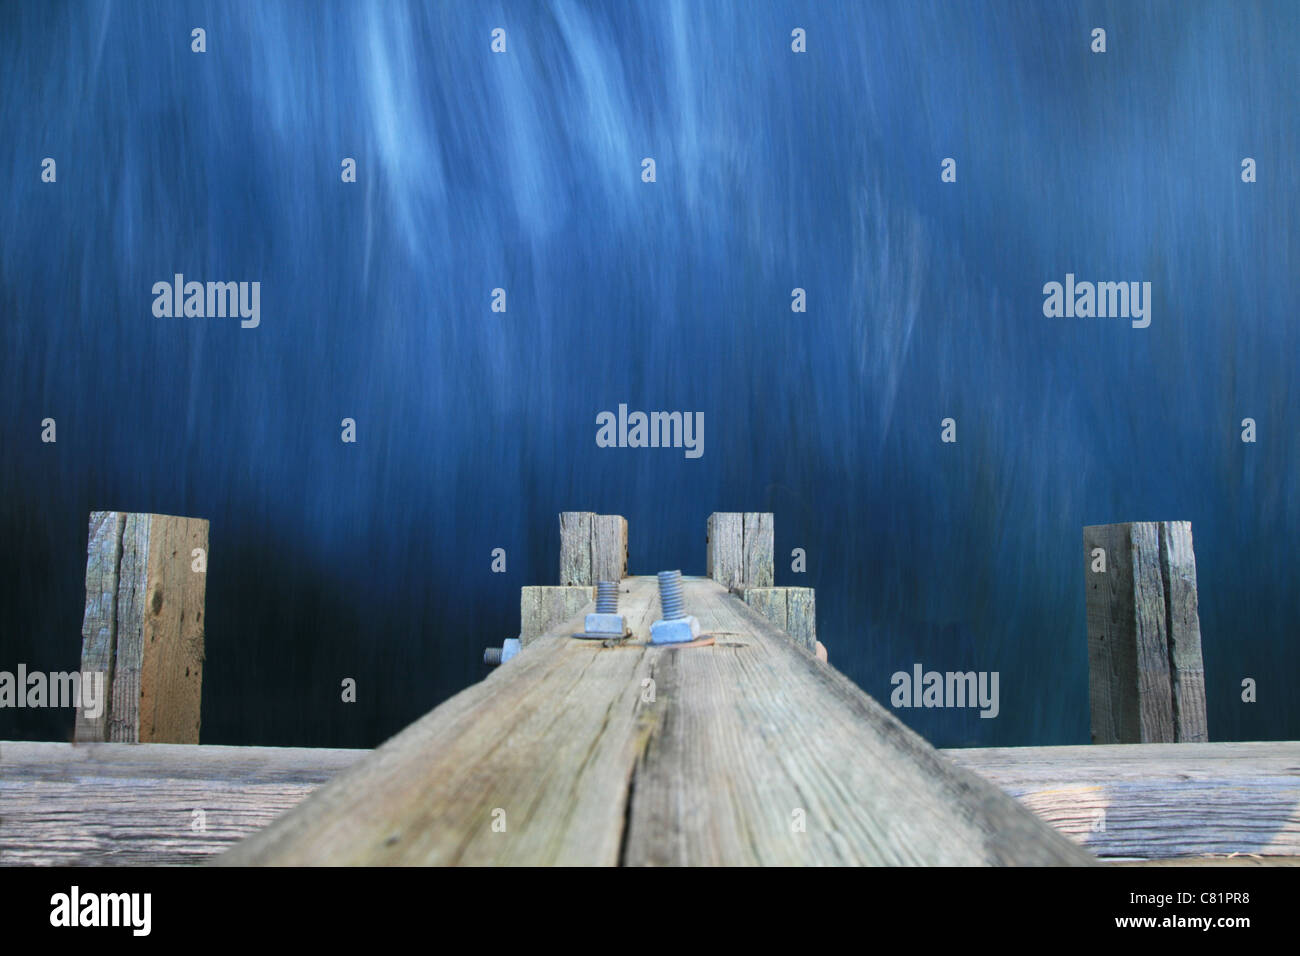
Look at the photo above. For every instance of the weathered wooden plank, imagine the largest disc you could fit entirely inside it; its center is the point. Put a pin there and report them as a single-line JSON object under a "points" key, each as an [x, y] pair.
{"points": [[113, 804], [608, 548], [768, 756], [716, 746], [793, 610], [575, 548], [758, 529], [529, 767], [121, 804], [543, 608], [143, 627], [1156, 801], [1228, 860], [1141, 617]]}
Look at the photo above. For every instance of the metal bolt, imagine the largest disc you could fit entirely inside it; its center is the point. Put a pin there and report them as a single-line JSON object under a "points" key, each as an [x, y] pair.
{"points": [[670, 595], [606, 597], [493, 656], [606, 623], [676, 626]]}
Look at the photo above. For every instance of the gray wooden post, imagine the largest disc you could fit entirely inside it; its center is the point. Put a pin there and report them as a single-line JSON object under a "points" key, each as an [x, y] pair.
{"points": [[1145, 673], [143, 626], [542, 608], [592, 548], [739, 549], [793, 610]]}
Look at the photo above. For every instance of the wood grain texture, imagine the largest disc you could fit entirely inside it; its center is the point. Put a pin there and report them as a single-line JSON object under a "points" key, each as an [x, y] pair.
{"points": [[128, 654], [543, 608], [99, 623], [801, 616], [1178, 569], [638, 754], [1112, 647], [758, 738], [771, 603], [1154, 681], [725, 548], [608, 548], [575, 548], [171, 665], [1157, 801], [143, 627], [758, 535], [1224, 860], [547, 744], [1144, 650], [119, 804], [793, 610], [592, 548]]}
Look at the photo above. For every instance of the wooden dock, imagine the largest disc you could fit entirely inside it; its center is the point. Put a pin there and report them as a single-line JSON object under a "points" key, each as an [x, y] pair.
{"points": [[745, 751], [742, 748]]}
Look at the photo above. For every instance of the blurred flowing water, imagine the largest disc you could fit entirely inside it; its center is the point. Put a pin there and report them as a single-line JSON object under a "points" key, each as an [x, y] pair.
{"points": [[775, 171]]}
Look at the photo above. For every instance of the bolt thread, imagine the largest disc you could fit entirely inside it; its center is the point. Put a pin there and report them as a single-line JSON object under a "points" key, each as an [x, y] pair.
{"points": [[670, 595], [492, 656], [606, 597]]}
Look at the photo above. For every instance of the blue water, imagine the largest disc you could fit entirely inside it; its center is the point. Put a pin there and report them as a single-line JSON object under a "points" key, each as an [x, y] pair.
{"points": [[774, 171]]}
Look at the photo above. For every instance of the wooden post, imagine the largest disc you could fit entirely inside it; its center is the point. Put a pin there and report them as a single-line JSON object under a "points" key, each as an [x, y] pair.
{"points": [[542, 608], [575, 548], [793, 610], [143, 626], [592, 548], [1146, 676], [739, 549], [608, 548]]}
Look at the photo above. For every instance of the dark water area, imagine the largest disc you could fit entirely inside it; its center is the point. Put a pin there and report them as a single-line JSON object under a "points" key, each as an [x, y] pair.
{"points": [[774, 171]]}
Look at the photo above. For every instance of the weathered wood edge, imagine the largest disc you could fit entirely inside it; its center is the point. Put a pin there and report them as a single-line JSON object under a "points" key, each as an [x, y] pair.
{"points": [[104, 804], [443, 751], [1010, 835]]}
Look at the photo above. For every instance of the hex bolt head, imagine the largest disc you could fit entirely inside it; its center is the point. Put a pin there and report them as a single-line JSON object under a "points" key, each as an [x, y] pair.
{"points": [[682, 630], [606, 625]]}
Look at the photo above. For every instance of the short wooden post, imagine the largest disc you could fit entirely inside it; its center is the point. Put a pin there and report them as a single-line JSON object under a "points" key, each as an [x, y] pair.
{"points": [[592, 548], [143, 626], [739, 549], [793, 610], [1145, 673], [542, 608]]}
